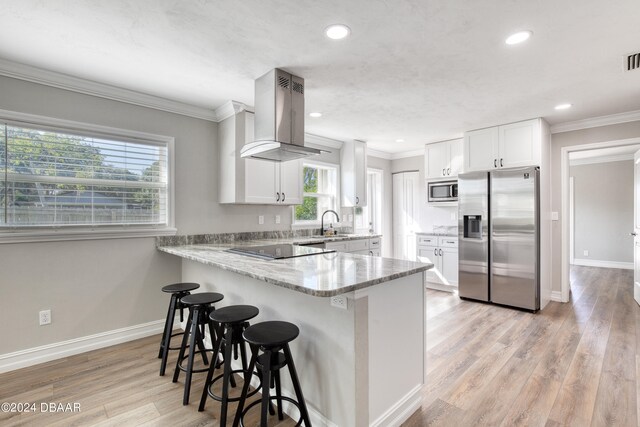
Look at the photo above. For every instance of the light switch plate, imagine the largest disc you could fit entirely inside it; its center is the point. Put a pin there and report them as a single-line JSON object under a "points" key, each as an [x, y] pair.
{"points": [[554, 216], [586, 252], [277, 219], [260, 219]]}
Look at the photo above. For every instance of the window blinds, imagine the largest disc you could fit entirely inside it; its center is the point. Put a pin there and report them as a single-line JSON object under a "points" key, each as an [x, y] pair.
{"points": [[53, 177]]}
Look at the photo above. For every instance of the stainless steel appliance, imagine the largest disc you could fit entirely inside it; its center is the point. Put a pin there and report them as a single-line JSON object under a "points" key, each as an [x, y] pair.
{"points": [[279, 119], [280, 251], [499, 237], [442, 191]]}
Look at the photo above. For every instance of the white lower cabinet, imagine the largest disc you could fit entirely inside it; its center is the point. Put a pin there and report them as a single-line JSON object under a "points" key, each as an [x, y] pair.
{"points": [[369, 247], [442, 252]]}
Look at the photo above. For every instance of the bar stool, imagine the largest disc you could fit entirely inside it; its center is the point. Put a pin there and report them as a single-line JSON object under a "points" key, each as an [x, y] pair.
{"points": [[200, 307], [272, 338], [233, 321], [177, 291]]}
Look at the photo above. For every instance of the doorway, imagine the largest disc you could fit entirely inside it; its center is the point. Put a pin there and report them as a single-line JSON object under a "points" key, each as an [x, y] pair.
{"points": [[571, 250], [405, 214]]}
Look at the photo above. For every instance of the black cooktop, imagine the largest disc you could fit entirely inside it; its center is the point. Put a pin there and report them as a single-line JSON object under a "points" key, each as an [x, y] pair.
{"points": [[280, 251]]}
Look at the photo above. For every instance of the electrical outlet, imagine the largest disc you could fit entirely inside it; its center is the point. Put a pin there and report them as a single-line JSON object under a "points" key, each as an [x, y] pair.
{"points": [[277, 219], [586, 252], [260, 219], [45, 317], [339, 301]]}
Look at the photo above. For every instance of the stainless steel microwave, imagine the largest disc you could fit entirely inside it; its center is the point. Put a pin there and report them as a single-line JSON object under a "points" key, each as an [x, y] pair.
{"points": [[442, 191]]}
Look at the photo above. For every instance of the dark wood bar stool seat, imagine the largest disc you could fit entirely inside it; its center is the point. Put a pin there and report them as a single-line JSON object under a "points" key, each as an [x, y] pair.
{"points": [[233, 321], [177, 291], [272, 338], [200, 307]]}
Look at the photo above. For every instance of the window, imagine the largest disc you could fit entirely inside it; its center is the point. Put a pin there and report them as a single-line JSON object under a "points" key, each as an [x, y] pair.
{"points": [[370, 217], [56, 177], [320, 192]]}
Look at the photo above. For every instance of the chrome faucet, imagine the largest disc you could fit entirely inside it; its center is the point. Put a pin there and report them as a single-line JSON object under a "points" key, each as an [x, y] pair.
{"points": [[322, 219]]}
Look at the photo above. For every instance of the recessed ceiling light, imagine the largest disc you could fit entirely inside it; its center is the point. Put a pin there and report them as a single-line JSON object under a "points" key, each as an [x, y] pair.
{"points": [[563, 106], [315, 114], [399, 140], [518, 37], [337, 31]]}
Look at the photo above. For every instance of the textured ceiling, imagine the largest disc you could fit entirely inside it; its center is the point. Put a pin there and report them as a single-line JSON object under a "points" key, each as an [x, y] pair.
{"points": [[422, 70]]}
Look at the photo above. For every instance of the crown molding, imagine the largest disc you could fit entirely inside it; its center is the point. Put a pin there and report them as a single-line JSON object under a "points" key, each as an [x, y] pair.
{"points": [[613, 119], [63, 81], [405, 154], [322, 141], [230, 108], [601, 159], [379, 154]]}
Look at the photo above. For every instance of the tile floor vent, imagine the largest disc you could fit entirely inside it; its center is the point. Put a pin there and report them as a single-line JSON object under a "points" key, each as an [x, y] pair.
{"points": [[632, 62]]}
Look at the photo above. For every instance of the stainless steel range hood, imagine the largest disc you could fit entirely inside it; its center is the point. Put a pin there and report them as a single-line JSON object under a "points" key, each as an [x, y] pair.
{"points": [[279, 119]]}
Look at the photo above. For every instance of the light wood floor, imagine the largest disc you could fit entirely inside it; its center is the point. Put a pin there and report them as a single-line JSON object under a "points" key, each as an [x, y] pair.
{"points": [[571, 364], [116, 386]]}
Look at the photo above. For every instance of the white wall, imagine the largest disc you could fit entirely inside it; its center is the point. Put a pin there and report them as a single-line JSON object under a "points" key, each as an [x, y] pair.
{"points": [[566, 139], [603, 211]]}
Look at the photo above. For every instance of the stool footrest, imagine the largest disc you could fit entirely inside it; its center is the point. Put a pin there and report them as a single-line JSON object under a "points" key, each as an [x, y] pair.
{"points": [[257, 402], [231, 399]]}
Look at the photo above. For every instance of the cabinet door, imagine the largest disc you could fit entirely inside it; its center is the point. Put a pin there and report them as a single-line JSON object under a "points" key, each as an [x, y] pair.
{"points": [[361, 173], [429, 254], [337, 246], [480, 150], [436, 160], [291, 182], [449, 265], [520, 144], [262, 182], [455, 157]]}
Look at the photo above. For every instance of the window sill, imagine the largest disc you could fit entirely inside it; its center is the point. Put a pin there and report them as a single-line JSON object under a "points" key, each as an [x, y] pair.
{"points": [[61, 234]]}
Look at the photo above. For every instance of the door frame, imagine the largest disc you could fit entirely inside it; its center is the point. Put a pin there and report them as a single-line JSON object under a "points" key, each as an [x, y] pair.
{"points": [[565, 203]]}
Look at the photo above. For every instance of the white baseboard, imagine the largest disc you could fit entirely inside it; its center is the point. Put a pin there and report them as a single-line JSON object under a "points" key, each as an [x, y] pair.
{"points": [[603, 264], [59, 350], [556, 296], [440, 287], [402, 410]]}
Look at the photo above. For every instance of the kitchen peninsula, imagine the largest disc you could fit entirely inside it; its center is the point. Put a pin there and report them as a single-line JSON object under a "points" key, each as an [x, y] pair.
{"points": [[361, 363]]}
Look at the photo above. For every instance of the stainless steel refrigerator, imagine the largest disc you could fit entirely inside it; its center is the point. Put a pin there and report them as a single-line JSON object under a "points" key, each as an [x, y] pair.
{"points": [[499, 237]]}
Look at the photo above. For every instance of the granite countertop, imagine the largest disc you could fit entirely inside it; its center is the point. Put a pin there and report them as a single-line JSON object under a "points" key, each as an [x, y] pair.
{"points": [[322, 275]]}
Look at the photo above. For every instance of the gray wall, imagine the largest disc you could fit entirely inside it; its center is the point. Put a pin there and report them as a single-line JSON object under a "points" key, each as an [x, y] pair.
{"points": [[566, 139], [603, 211], [94, 286], [101, 285]]}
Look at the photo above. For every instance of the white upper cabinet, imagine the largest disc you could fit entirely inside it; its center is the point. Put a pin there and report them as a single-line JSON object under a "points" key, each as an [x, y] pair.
{"points": [[443, 159], [251, 181], [506, 146], [353, 173]]}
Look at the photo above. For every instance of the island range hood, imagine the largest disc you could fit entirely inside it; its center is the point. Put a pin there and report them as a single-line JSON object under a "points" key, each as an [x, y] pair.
{"points": [[279, 119]]}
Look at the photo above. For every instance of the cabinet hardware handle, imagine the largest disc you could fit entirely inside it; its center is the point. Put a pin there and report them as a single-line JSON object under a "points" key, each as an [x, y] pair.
{"points": [[435, 252], [371, 253], [440, 252], [448, 171], [633, 233], [444, 172], [283, 197], [357, 200], [278, 198], [495, 163], [501, 163]]}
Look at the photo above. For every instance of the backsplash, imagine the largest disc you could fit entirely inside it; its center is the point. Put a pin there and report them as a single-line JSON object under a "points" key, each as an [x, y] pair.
{"points": [[203, 239]]}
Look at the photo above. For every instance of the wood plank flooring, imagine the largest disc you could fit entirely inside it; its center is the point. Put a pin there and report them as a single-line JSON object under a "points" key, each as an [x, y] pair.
{"points": [[115, 386], [575, 364]]}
